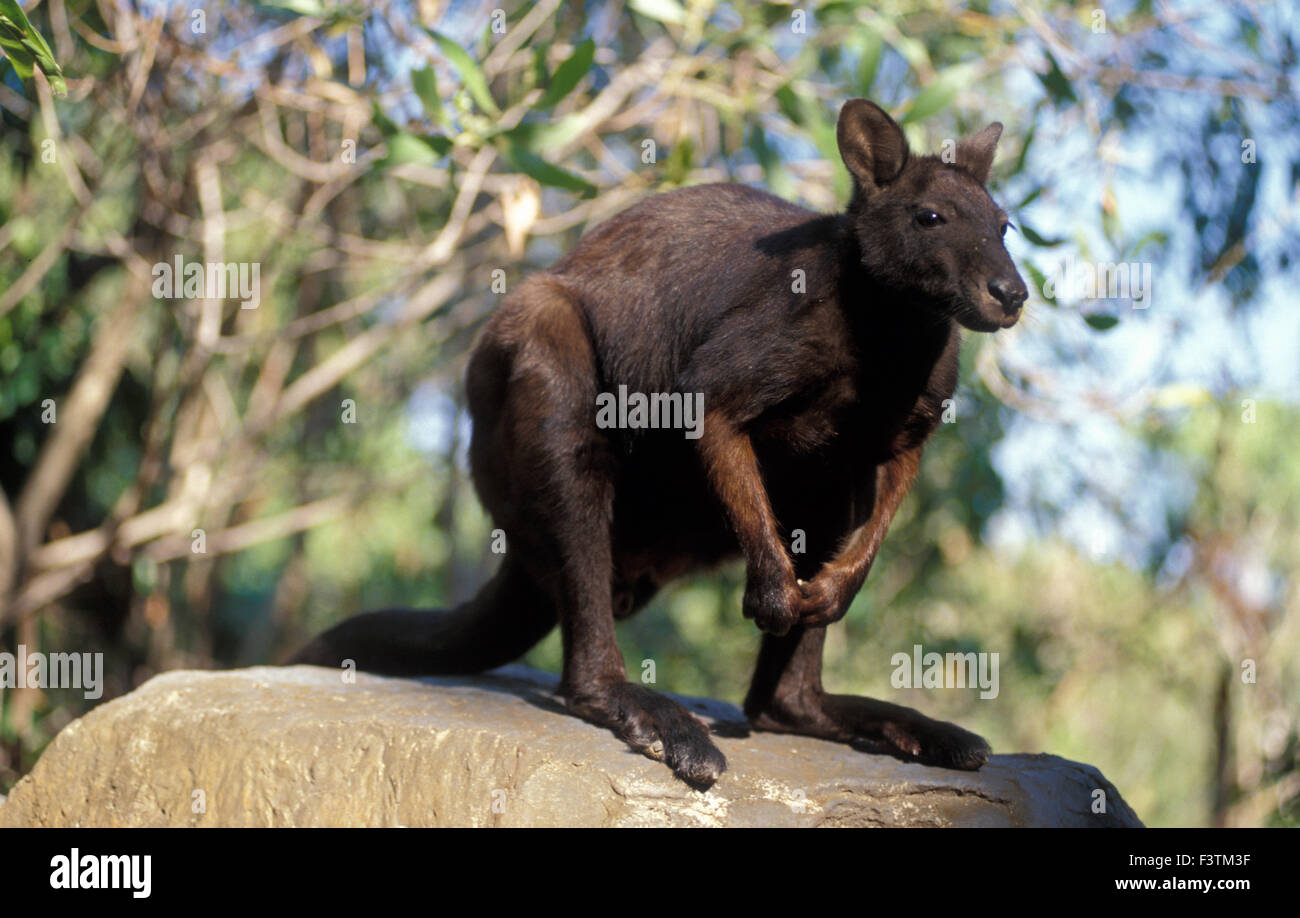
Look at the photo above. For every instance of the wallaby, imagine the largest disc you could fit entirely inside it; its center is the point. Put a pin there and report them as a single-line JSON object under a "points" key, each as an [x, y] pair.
{"points": [[823, 346]]}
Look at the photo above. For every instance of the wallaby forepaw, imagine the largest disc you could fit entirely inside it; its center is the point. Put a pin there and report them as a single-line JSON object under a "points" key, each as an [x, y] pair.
{"points": [[773, 605]]}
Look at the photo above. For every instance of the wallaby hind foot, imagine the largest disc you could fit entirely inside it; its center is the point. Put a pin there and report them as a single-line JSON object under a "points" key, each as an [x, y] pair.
{"points": [[653, 725], [891, 728]]}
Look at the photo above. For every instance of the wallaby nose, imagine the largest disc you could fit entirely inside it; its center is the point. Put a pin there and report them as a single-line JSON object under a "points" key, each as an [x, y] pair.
{"points": [[1010, 292]]}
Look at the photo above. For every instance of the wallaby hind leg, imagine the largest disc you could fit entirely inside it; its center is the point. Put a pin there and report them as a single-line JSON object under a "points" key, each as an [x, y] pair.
{"points": [[563, 515], [786, 696]]}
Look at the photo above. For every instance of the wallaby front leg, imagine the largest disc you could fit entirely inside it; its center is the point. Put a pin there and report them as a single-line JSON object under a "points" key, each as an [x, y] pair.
{"points": [[772, 595], [828, 595]]}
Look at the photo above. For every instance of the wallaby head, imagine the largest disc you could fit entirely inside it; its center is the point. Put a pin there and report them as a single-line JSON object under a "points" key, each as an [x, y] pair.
{"points": [[927, 228]]}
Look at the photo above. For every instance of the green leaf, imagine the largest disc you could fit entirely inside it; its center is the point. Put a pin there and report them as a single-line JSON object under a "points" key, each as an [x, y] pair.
{"points": [[810, 115], [425, 84], [1030, 234], [569, 73], [385, 124], [1019, 167], [1110, 227], [871, 46], [336, 13], [440, 145], [1031, 197], [469, 71], [536, 136], [669, 11], [790, 104], [678, 165], [1040, 281], [1182, 395], [1057, 83], [540, 75], [1155, 237], [940, 93], [411, 148], [530, 163], [1101, 322], [25, 47], [775, 175], [838, 12], [311, 8], [765, 155]]}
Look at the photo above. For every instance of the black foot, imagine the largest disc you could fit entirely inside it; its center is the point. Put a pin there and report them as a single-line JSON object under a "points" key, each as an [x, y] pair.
{"points": [[655, 726], [890, 728]]}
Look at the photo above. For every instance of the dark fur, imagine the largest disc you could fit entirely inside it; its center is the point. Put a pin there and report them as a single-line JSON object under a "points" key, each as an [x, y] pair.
{"points": [[817, 407]]}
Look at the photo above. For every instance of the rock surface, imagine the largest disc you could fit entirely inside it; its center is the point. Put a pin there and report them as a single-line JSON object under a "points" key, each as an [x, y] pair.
{"points": [[297, 746]]}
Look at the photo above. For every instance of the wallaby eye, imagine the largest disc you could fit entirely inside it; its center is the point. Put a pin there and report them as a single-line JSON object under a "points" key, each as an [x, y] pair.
{"points": [[1005, 226], [928, 219]]}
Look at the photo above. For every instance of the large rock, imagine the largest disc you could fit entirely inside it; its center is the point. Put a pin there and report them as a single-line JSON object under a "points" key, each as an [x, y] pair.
{"points": [[299, 747]]}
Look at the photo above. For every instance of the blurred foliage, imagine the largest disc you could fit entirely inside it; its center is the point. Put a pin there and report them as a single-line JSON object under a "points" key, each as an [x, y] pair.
{"points": [[390, 166]]}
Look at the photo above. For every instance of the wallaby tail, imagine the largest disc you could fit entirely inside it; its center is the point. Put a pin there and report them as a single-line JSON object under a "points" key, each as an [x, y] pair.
{"points": [[507, 617]]}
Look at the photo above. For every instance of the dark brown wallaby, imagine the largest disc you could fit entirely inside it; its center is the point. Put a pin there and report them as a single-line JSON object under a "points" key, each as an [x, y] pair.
{"points": [[824, 347]]}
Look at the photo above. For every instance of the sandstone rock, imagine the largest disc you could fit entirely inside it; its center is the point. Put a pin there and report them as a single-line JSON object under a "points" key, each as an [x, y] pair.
{"points": [[298, 747]]}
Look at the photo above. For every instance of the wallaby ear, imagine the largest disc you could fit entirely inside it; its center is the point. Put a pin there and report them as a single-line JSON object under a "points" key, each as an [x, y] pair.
{"points": [[871, 144], [975, 153]]}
